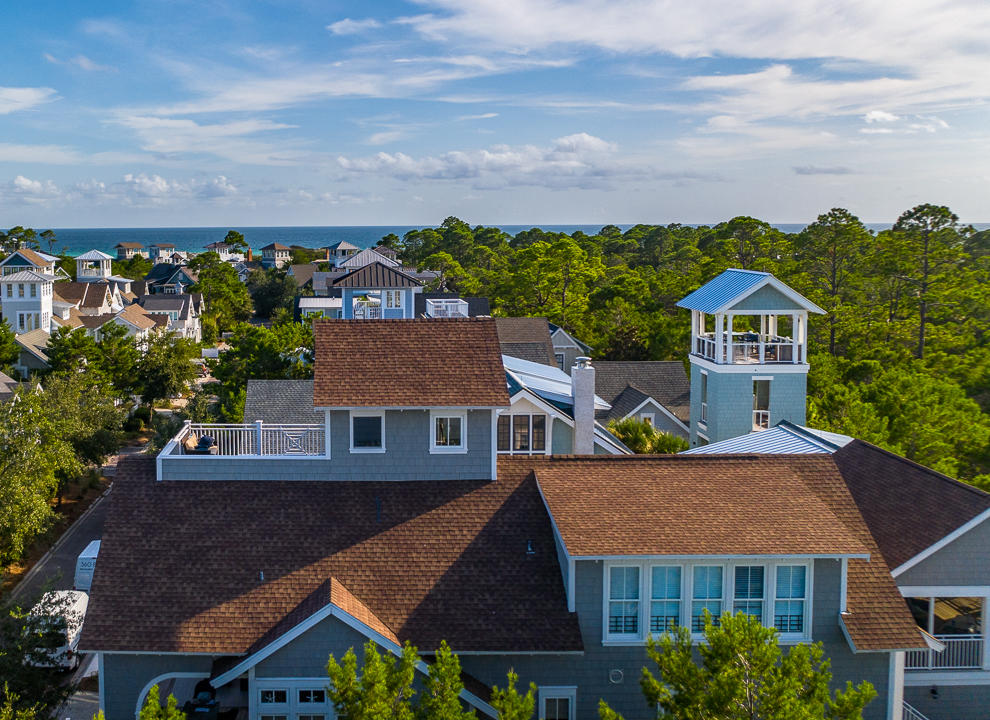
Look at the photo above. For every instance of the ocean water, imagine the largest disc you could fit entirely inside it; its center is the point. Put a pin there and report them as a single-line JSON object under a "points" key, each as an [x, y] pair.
{"points": [[78, 240]]}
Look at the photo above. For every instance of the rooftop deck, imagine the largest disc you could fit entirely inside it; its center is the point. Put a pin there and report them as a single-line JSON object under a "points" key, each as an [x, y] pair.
{"points": [[748, 348]]}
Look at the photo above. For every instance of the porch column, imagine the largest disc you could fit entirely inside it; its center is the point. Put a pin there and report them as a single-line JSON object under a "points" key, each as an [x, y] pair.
{"points": [[719, 338], [794, 337], [763, 335], [728, 340]]}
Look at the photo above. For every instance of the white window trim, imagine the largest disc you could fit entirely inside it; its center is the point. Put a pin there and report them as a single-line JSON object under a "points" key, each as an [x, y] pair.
{"points": [[651, 417], [350, 425], [292, 708], [728, 593], [550, 692], [448, 449]]}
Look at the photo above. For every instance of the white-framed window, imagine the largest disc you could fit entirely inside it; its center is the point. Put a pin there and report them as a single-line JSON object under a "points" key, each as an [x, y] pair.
{"points": [[312, 695], [367, 432], [34, 290], [706, 594], [393, 298], [557, 702], [749, 590], [20, 290], [522, 434], [704, 398], [648, 418], [273, 717], [623, 601], [448, 432], [665, 597], [10, 290], [790, 615], [273, 696]]}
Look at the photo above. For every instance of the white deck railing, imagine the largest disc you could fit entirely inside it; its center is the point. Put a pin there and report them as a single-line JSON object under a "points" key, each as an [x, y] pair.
{"points": [[748, 349], [365, 311], [911, 714], [254, 439], [761, 419], [962, 652], [446, 308]]}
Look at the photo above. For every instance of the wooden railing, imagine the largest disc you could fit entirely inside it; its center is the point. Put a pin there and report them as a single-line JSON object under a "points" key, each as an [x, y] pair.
{"points": [[254, 439], [962, 652]]}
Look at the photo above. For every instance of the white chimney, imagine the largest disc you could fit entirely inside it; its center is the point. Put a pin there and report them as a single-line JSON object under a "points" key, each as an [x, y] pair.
{"points": [[583, 393]]}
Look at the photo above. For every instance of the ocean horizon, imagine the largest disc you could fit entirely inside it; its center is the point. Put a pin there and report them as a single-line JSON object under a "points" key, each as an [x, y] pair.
{"points": [[75, 241]]}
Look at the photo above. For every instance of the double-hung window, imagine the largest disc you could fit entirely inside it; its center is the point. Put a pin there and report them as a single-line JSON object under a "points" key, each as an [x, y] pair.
{"points": [[557, 703], [623, 600], [20, 290], [748, 593], [393, 298], [706, 594], [34, 290], [791, 599], [367, 432], [665, 598], [448, 432]]}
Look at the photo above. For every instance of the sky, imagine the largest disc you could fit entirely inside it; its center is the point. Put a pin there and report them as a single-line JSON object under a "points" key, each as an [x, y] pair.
{"points": [[320, 112]]}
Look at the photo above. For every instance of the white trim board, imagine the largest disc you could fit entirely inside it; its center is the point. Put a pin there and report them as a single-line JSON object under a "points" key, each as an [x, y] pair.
{"points": [[750, 369], [935, 547]]}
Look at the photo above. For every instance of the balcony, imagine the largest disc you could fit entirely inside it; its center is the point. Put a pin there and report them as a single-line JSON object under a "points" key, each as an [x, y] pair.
{"points": [[366, 311], [251, 451], [962, 652], [446, 308], [747, 348]]}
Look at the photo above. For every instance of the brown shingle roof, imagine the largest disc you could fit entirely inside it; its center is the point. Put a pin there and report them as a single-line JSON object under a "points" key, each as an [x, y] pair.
{"points": [[130, 244], [423, 560], [753, 504], [408, 363], [31, 256], [527, 338], [92, 295], [275, 246], [377, 275], [907, 506]]}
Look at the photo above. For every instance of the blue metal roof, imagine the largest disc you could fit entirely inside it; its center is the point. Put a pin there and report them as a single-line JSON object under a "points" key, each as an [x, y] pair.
{"points": [[721, 290], [784, 439]]}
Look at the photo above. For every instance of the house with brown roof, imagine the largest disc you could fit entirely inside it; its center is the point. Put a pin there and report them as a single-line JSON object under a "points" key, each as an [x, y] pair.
{"points": [[934, 535], [275, 255], [26, 259], [526, 338], [128, 249], [387, 512]]}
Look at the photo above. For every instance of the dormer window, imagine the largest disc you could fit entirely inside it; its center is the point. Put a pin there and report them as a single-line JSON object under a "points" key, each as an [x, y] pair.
{"points": [[367, 432], [448, 432]]}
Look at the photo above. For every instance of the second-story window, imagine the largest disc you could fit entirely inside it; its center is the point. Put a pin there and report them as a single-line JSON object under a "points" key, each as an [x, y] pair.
{"points": [[34, 290], [747, 596], [20, 290], [367, 433], [623, 600], [791, 597], [665, 598], [522, 434], [10, 290], [393, 298], [706, 595], [448, 432]]}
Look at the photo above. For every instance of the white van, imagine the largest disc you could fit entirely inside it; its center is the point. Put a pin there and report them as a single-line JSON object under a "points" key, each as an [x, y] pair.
{"points": [[66, 626], [85, 564]]}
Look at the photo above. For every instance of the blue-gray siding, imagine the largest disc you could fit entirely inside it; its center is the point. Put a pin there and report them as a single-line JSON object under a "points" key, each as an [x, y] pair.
{"points": [[954, 702], [307, 655], [964, 561], [125, 676], [563, 438], [730, 400], [768, 298]]}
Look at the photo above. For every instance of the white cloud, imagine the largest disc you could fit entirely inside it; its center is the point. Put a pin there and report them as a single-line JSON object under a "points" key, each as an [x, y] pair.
{"points": [[386, 136], [480, 116], [80, 61], [13, 99], [821, 170], [874, 116], [352, 27]]}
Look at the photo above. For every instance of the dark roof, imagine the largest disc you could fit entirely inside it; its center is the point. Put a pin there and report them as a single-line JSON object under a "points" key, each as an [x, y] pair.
{"points": [[408, 363], [376, 275], [162, 245], [386, 251], [740, 504], [130, 244], [664, 381], [160, 272], [91, 295], [527, 338], [907, 506], [303, 274], [419, 556], [476, 305], [341, 244], [275, 246], [286, 402]]}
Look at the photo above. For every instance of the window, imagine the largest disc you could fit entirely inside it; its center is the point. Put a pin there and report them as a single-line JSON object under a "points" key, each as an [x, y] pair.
{"points": [[274, 697], [448, 433], [704, 397], [748, 594], [20, 321], [312, 696], [393, 298], [367, 432], [559, 357], [623, 600], [557, 703], [273, 717], [20, 290], [706, 595], [791, 596], [34, 290], [665, 598], [523, 434], [761, 404], [311, 717], [10, 289], [942, 616], [648, 418]]}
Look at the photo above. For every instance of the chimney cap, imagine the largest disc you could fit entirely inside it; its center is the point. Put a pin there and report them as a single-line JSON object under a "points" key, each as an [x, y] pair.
{"points": [[582, 361]]}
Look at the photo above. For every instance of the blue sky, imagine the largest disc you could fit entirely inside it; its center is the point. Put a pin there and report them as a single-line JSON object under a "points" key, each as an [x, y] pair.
{"points": [[155, 112]]}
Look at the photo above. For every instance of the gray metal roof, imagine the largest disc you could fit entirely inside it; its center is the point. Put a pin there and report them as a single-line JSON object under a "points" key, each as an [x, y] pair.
{"points": [[783, 439], [94, 255], [281, 402]]}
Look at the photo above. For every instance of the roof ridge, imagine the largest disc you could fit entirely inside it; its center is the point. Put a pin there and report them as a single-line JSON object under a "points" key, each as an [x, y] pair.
{"points": [[941, 476]]}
